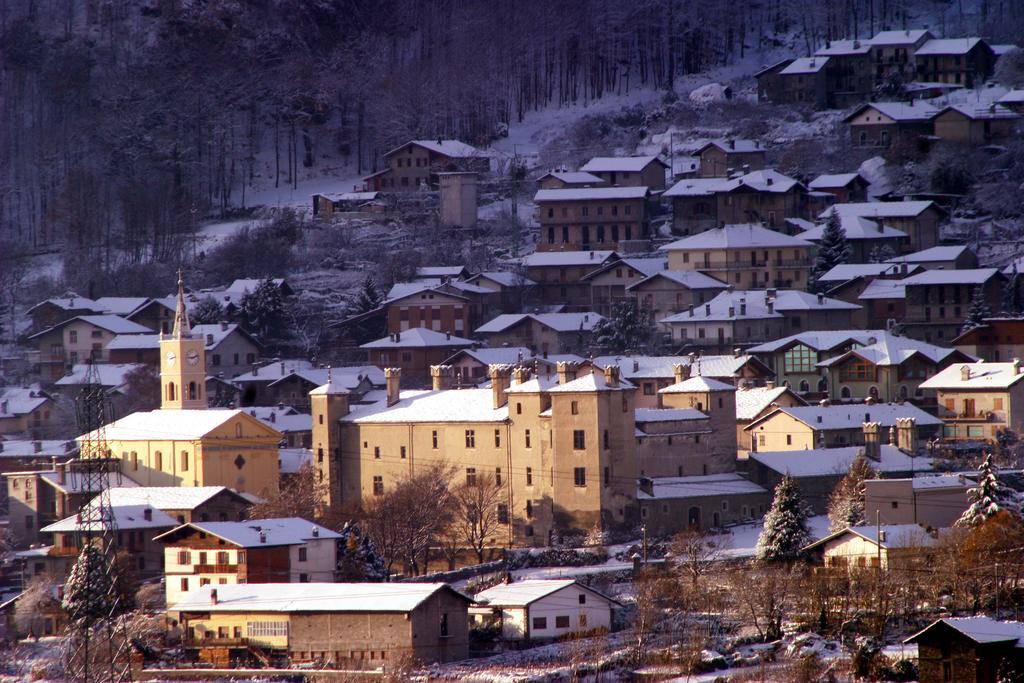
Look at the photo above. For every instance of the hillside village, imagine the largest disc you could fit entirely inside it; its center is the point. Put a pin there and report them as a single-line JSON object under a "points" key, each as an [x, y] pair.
{"points": [[725, 386]]}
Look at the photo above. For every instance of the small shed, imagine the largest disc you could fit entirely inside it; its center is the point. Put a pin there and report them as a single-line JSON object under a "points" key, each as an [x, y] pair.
{"points": [[543, 608]]}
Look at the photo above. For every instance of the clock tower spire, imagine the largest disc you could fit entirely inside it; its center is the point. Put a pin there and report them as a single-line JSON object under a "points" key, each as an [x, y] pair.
{"points": [[182, 362]]}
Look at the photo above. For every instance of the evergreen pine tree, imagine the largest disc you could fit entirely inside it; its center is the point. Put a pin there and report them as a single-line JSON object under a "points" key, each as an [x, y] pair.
{"points": [[627, 329], [977, 312], [207, 311], [785, 530], [882, 253], [87, 592], [846, 504], [358, 559], [833, 249], [263, 311], [1011, 294], [367, 299], [988, 497]]}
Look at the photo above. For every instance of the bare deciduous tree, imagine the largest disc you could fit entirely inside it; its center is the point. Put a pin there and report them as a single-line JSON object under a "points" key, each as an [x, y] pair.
{"points": [[476, 519]]}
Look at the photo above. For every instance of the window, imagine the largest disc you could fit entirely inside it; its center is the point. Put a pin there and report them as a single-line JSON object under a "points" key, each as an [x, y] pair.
{"points": [[184, 461], [800, 358], [378, 486], [580, 476], [184, 557], [562, 621], [575, 407], [223, 557], [266, 629], [607, 440], [444, 626], [607, 477], [497, 438], [997, 404], [497, 476], [433, 438], [376, 452], [158, 460], [216, 359], [527, 435], [529, 476], [470, 438], [303, 554], [540, 623], [583, 598], [857, 371], [184, 584], [519, 408], [502, 513], [470, 476], [529, 509], [579, 439]]}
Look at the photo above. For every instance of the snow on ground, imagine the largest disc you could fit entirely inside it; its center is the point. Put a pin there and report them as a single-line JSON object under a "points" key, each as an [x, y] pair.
{"points": [[744, 536]]}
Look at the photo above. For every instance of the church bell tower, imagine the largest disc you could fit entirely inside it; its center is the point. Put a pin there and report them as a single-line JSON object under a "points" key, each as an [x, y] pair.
{"points": [[182, 362]]}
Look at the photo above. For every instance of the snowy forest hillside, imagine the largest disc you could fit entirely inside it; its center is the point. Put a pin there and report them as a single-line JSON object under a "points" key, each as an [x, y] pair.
{"points": [[126, 123]]}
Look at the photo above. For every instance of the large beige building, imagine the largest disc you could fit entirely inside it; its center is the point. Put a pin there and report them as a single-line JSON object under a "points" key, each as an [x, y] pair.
{"points": [[566, 449], [184, 443]]}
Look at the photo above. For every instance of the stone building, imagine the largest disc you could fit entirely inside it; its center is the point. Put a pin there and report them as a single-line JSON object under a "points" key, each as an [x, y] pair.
{"points": [[721, 158], [415, 165], [643, 171], [586, 218], [764, 196], [968, 649]]}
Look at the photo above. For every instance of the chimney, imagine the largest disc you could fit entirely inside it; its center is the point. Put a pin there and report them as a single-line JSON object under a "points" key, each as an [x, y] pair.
{"points": [[636, 365], [147, 514], [732, 144], [441, 377], [255, 371], [646, 484], [769, 384], [881, 535], [566, 371], [37, 446], [824, 403], [611, 376], [732, 311], [447, 335], [707, 309], [768, 180], [500, 379], [398, 336], [737, 352], [681, 372], [282, 368], [965, 373], [393, 380], [743, 306], [316, 532], [906, 434], [520, 376], [892, 435], [691, 310], [1016, 366], [3, 406], [213, 596], [62, 473], [771, 306], [263, 536], [273, 417], [209, 340], [821, 298], [223, 326], [871, 448]]}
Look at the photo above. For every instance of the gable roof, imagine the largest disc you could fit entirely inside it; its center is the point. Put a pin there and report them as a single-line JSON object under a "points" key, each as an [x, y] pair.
{"points": [[125, 516], [573, 177], [110, 323], [691, 279], [167, 497], [971, 276], [175, 425], [948, 46], [732, 146], [454, 405], [699, 486], [17, 401], [844, 47], [645, 266], [752, 401], [312, 597], [110, 375], [255, 532], [505, 278], [560, 322], [832, 180], [979, 375], [855, 228], [884, 289], [806, 65], [626, 164], [419, 337], [74, 481], [697, 384], [875, 210], [852, 416], [505, 355], [844, 272], [454, 149], [932, 254], [737, 236], [824, 462], [894, 536], [896, 37], [568, 258], [572, 194], [523, 593], [981, 629], [891, 349], [915, 111]]}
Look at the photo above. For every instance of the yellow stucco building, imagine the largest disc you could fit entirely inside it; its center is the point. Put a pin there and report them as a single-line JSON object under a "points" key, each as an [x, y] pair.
{"points": [[184, 443]]}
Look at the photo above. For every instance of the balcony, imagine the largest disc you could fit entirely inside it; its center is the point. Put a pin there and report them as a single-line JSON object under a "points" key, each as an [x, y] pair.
{"points": [[215, 569], [977, 416], [215, 642]]}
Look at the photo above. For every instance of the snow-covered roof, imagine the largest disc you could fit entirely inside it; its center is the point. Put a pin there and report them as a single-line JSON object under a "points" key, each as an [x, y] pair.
{"points": [[505, 355], [634, 367], [845, 272], [699, 486], [856, 228], [248, 285], [932, 254], [733, 146], [567, 258], [694, 187], [980, 376], [905, 37], [821, 340], [310, 597], [833, 180], [764, 180], [419, 337], [957, 480], [462, 405], [120, 305], [17, 401], [821, 418], [595, 381], [73, 481], [754, 304], [805, 65], [844, 47], [738, 236], [455, 149], [917, 110], [110, 323], [691, 279], [109, 374], [212, 336], [284, 420], [171, 425], [696, 384], [165, 497], [980, 629], [982, 112], [291, 460], [580, 194], [131, 516], [947, 46], [574, 177], [893, 536], [257, 532], [560, 322], [971, 276], [874, 210], [646, 267], [891, 349], [820, 462], [619, 164], [523, 593], [1012, 97], [505, 278], [884, 289], [69, 301], [533, 385], [440, 271], [668, 414], [751, 402], [23, 448]]}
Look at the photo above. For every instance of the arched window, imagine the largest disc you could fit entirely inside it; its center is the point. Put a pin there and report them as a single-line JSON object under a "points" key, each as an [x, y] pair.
{"points": [[873, 392], [823, 385], [238, 430], [170, 391], [904, 393], [191, 391], [844, 392], [804, 386]]}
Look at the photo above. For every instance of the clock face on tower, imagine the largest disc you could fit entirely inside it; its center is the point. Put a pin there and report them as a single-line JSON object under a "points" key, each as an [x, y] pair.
{"points": [[193, 357], [171, 358]]}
